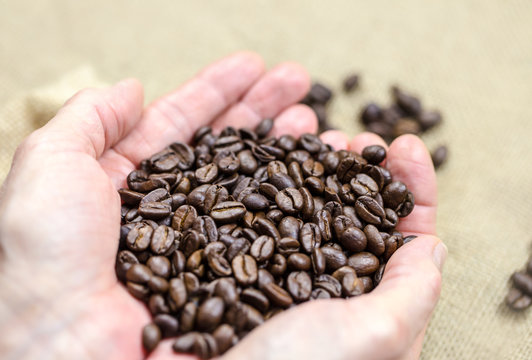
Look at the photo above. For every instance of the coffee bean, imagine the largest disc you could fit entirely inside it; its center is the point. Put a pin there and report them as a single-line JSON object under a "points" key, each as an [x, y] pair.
{"points": [[287, 245], [287, 143], [262, 248], [439, 156], [130, 197], [351, 83], [264, 127], [228, 143], [151, 335], [276, 167], [334, 258], [224, 335], [138, 239], [177, 293], [239, 246], [139, 291], [163, 240], [323, 219], [523, 281], [394, 194], [228, 211], [244, 269], [369, 210], [158, 284], [124, 260], [407, 206], [299, 261], [299, 156], [184, 217], [319, 93], [352, 285], [349, 167], [264, 226], [282, 181], [160, 266], [277, 265], [329, 284], [517, 300], [299, 285], [167, 324], [255, 202], [318, 261], [256, 299], [210, 314], [364, 263], [364, 185], [139, 274], [310, 237], [277, 295]]}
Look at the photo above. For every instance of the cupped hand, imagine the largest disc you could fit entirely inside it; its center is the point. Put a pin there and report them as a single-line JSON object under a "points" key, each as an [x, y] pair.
{"points": [[60, 218]]}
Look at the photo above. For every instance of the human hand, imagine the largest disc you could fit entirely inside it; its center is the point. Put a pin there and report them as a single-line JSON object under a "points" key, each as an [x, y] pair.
{"points": [[59, 222]]}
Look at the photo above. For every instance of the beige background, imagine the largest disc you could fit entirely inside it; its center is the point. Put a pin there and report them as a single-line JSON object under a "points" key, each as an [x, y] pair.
{"points": [[471, 59]]}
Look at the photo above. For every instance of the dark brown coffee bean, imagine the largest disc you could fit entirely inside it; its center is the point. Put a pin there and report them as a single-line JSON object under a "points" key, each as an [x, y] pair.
{"points": [[334, 258], [314, 185], [277, 265], [323, 219], [158, 284], [138, 239], [224, 335], [190, 343], [154, 210], [287, 143], [187, 317], [185, 155], [163, 240], [130, 197], [268, 190], [439, 156], [228, 143], [408, 103], [264, 127], [312, 168], [275, 167], [225, 288], [364, 263], [318, 261], [282, 181], [168, 324], [369, 210], [307, 210], [277, 295], [255, 202], [394, 194], [351, 83], [371, 113], [240, 246], [177, 294], [333, 183], [375, 242], [206, 174], [139, 291], [318, 93], [348, 168], [157, 195], [287, 245], [298, 156], [210, 314], [184, 218], [429, 119], [310, 237], [353, 239], [319, 294], [299, 285], [364, 185], [151, 335], [256, 299], [264, 226], [139, 274], [352, 285], [289, 200], [228, 211], [226, 162], [124, 260], [289, 227], [244, 269], [329, 284], [299, 262], [262, 248], [391, 245], [160, 266], [407, 206], [264, 277], [214, 195], [339, 273], [248, 163]]}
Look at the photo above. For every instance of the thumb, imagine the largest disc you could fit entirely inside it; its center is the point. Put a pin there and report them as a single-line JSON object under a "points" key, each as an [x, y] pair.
{"points": [[410, 287]]}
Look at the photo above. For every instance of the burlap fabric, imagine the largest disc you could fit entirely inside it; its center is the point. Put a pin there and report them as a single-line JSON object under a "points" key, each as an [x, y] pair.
{"points": [[471, 59]]}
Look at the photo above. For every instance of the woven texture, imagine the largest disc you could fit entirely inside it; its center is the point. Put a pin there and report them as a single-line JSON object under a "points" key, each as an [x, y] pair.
{"points": [[470, 59]]}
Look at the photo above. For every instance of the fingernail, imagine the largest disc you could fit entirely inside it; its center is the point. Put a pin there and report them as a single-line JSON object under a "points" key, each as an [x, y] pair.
{"points": [[439, 254]]}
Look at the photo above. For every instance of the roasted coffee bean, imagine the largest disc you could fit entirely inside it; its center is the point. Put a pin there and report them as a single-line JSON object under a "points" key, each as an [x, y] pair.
{"points": [[407, 206], [318, 93], [210, 314], [364, 185], [140, 291], [289, 227], [255, 202], [130, 197], [364, 263], [348, 168], [312, 168], [375, 242], [139, 274], [248, 163], [190, 243], [158, 284], [214, 195], [394, 194], [268, 190], [299, 285], [296, 173], [299, 261], [314, 185], [187, 317], [277, 265], [256, 299], [287, 143], [350, 212], [352, 285], [310, 237], [138, 239], [227, 162], [319, 293], [264, 277], [331, 194], [262, 248], [369, 210], [287, 245], [282, 181], [228, 211], [523, 281], [185, 155], [177, 293], [151, 335], [371, 113], [439, 156], [244, 269], [194, 263], [184, 217], [160, 266], [206, 174], [163, 240], [339, 273], [377, 276], [351, 83], [334, 258], [154, 210], [323, 219], [264, 127], [275, 167], [277, 295], [264, 226], [329, 284], [310, 143], [168, 324], [298, 156], [410, 104], [226, 289], [224, 335], [228, 143], [275, 215], [318, 261], [191, 343], [124, 260]]}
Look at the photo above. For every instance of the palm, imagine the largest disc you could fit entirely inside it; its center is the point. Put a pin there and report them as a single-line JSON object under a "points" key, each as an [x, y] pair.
{"points": [[118, 133]]}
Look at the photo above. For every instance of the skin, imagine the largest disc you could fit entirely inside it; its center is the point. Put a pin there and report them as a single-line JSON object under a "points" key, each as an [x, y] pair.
{"points": [[59, 224]]}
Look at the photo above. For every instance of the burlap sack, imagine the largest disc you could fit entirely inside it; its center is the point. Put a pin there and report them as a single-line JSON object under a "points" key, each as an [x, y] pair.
{"points": [[470, 59]]}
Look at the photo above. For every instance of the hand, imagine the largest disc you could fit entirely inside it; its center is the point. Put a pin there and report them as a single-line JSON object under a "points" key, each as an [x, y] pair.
{"points": [[59, 222]]}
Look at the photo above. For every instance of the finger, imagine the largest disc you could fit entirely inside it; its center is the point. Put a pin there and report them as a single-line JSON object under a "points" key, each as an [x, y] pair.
{"points": [[410, 287], [296, 120], [360, 141], [279, 88], [336, 138], [177, 115], [409, 161], [92, 120]]}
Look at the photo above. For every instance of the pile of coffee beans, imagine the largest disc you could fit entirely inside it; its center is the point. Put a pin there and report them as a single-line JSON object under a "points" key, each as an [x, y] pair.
{"points": [[520, 295], [404, 116], [219, 237]]}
